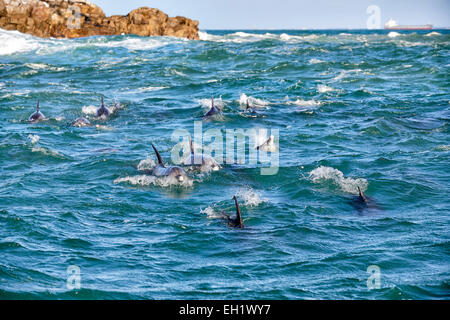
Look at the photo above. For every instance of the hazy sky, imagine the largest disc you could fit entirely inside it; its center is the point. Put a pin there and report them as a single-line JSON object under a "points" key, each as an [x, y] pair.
{"points": [[290, 14]]}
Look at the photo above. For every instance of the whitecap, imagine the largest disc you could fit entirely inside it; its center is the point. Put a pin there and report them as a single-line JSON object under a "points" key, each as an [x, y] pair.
{"points": [[253, 102], [34, 138], [147, 180], [103, 128], [15, 42], [49, 152], [206, 103], [315, 61], [89, 110], [349, 185], [393, 34], [304, 103], [146, 164], [149, 89], [433, 33], [322, 88], [250, 197], [211, 213]]}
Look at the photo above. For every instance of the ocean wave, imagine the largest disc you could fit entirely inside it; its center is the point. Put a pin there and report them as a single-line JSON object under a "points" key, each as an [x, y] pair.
{"points": [[243, 37], [43, 66], [48, 152], [433, 33], [336, 176], [17, 42]]}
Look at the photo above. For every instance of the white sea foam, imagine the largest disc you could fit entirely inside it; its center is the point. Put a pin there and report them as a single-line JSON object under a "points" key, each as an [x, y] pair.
{"points": [[89, 110], [304, 103], [149, 89], [443, 148], [253, 102], [211, 213], [92, 110], [14, 42], [34, 138], [49, 152], [147, 180], [393, 34], [206, 103], [349, 185], [103, 128], [43, 66], [433, 33], [237, 37], [322, 88], [146, 164], [315, 61], [250, 197]]}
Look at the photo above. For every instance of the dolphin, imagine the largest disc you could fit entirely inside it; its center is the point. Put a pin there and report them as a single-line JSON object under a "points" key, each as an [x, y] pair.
{"points": [[213, 111], [82, 122], [171, 171], [361, 202], [235, 222], [268, 145], [37, 116], [203, 162], [103, 111]]}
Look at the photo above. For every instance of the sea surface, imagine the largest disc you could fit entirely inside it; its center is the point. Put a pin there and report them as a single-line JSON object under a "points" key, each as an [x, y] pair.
{"points": [[80, 219]]}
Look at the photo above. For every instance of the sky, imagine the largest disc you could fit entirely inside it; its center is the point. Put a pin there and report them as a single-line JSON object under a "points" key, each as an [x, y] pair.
{"points": [[290, 14]]}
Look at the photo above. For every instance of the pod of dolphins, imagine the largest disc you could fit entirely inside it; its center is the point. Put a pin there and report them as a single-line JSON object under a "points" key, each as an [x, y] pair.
{"points": [[204, 163]]}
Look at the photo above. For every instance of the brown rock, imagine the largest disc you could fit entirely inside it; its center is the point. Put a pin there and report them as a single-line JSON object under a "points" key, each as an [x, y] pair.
{"points": [[2, 8], [80, 18]]}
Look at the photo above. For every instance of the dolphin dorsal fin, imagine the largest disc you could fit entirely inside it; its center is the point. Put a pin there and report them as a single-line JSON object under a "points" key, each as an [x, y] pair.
{"points": [[212, 102], [37, 105], [248, 105], [103, 104], [191, 145], [361, 195], [238, 213], [158, 156]]}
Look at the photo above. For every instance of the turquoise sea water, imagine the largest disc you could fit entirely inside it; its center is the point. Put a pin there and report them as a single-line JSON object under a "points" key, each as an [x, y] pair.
{"points": [[353, 108]]}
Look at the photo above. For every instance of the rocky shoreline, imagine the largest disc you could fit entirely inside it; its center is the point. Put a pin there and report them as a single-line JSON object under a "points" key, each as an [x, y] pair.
{"points": [[80, 18]]}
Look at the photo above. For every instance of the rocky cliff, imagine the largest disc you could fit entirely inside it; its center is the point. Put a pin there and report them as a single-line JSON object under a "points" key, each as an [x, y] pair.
{"points": [[79, 18]]}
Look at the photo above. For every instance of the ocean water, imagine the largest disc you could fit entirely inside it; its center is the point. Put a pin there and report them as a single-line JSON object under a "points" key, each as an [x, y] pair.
{"points": [[370, 109]]}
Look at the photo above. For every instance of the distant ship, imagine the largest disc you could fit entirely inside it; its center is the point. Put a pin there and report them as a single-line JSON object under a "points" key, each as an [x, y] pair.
{"points": [[392, 25]]}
